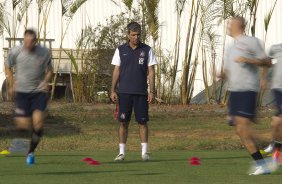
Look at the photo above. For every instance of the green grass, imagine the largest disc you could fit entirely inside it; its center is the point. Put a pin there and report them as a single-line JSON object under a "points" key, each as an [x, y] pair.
{"points": [[75, 131], [166, 167], [90, 127]]}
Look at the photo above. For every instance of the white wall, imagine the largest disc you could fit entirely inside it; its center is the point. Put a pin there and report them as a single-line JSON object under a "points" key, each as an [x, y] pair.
{"points": [[95, 11]]}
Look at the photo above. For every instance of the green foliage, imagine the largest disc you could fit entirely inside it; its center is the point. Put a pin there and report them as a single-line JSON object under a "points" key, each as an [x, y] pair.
{"points": [[75, 6], [23, 7], [268, 17], [15, 3], [152, 17], [180, 4], [112, 33], [4, 23], [65, 6], [97, 45], [166, 167], [128, 4]]}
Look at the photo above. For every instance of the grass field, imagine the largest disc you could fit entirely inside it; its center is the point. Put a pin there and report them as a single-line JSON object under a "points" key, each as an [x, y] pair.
{"points": [[75, 131], [166, 167]]}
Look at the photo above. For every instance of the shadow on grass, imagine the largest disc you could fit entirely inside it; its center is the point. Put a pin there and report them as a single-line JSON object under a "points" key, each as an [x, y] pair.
{"points": [[38, 155], [64, 173], [224, 158], [88, 172], [145, 162], [54, 126], [148, 174]]}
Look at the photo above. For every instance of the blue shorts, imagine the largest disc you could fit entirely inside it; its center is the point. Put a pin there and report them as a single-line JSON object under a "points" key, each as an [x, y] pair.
{"points": [[138, 102], [278, 101], [26, 103], [243, 104]]}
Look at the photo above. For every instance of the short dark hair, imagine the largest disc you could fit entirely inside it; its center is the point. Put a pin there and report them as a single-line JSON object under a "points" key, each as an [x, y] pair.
{"points": [[133, 26], [31, 32], [242, 20]]}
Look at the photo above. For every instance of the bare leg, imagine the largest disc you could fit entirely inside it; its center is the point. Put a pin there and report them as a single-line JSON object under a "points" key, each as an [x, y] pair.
{"points": [[277, 128], [143, 130], [244, 131], [23, 122], [37, 132], [123, 132]]}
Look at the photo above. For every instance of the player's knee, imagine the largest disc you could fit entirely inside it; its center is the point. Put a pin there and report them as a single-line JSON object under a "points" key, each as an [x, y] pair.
{"points": [[124, 124], [143, 123], [239, 129]]}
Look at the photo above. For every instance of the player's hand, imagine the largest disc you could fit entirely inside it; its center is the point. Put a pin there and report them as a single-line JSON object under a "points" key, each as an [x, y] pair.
{"points": [[242, 60], [263, 84], [43, 86], [151, 97], [114, 97]]}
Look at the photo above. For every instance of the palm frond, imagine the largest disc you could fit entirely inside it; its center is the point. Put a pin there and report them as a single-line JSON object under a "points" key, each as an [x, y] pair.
{"points": [[180, 4], [4, 20], [113, 1], [252, 5], [15, 3], [152, 17], [222, 9], [72, 59], [75, 6], [268, 17], [128, 4], [23, 7], [65, 6]]}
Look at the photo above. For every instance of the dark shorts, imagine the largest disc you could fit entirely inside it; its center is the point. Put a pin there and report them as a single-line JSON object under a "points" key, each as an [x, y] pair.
{"points": [[278, 101], [140, 105], [243, 104], [26, 103]]}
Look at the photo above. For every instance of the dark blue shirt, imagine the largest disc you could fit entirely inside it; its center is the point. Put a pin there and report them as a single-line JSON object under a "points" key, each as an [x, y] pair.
{"points": [[133, 69]]}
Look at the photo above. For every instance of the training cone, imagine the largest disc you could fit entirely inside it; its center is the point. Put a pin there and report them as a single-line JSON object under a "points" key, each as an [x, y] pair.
{"points": [[4, 152], [87, 159], [194, 161], [94, 162]]}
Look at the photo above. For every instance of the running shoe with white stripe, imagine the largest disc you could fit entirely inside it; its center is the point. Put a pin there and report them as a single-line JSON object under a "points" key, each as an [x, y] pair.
{"points": [[260, 170], [146, 156], [120, 157]]}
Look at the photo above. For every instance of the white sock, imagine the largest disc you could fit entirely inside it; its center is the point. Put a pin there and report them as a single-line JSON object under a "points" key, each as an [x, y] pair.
{"points": [[144, 146], [122, 148]]}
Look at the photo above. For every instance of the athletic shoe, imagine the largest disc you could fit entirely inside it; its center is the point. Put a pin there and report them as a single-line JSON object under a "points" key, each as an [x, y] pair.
{"points": [[146, 156], [267, 151], [260, 170], [120, 157], [269, 148], [30, 159]]}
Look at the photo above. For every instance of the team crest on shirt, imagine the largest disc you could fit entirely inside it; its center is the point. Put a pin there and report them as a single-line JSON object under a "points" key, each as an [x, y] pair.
{"points": [[142, 54], [141, 61]]}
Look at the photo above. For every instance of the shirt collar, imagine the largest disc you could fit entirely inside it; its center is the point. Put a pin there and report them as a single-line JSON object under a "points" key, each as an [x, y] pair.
{"points": [[139, 45]]}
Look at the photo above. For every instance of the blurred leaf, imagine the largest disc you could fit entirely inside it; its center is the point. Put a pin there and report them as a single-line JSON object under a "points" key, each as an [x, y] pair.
{"points": [[152, 17], [72, 59], [128, 4]]}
